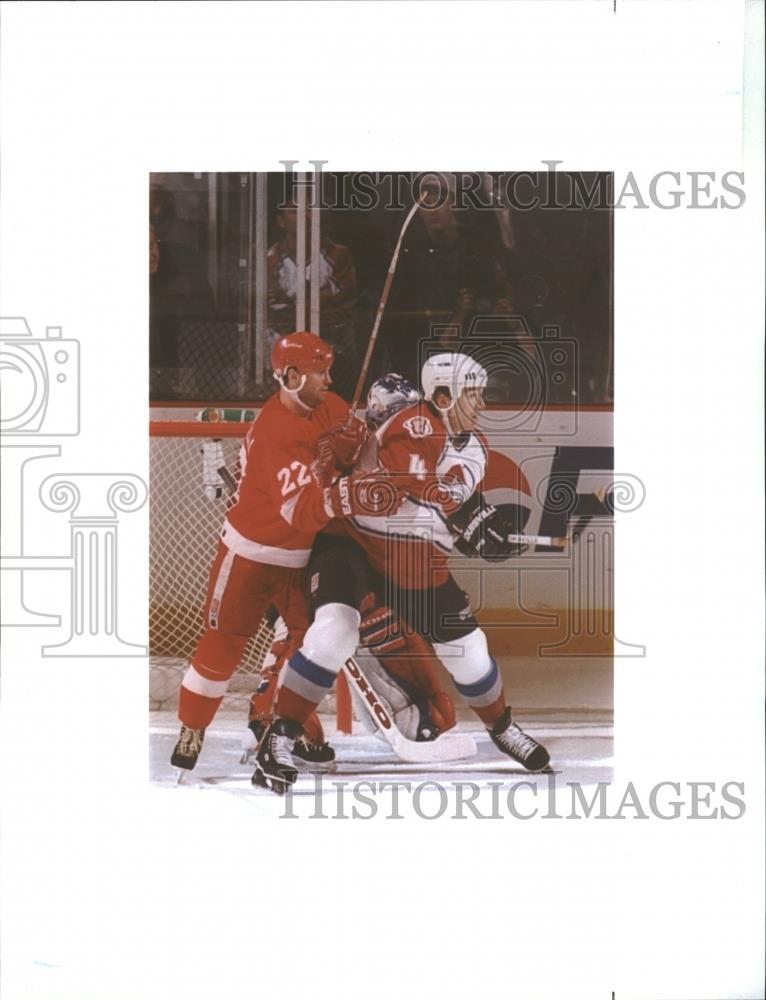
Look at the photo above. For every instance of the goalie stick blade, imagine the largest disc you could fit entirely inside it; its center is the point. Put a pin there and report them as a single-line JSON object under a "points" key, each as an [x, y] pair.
{"points": [[448, 746]]}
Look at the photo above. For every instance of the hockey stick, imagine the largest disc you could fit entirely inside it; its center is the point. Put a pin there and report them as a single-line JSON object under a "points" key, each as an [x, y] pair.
{"points": [[448, 746], [535, 540], [574, 531], [379, 314]]}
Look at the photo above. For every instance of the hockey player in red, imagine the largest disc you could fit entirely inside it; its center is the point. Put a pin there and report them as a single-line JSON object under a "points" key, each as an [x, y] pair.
{"points": [[438, 460], [288, 461]]}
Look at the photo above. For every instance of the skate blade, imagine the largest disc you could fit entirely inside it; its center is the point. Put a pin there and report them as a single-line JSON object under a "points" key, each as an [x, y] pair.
{"points": [[318, 767], [534, 770], [271, 784]]}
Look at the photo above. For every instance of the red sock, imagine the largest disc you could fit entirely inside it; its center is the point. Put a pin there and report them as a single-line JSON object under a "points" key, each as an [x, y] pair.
{"points": [[215, 659], [196, 710], [313, 729], [291, 706]]}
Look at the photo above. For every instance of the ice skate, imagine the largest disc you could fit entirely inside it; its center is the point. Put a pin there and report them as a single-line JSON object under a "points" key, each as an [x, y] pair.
{"points": [[274, 765], [514, 742], [187, 749], [313, 753]]}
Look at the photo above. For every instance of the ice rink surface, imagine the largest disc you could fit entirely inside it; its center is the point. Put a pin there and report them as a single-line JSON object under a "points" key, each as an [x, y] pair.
{"points": [[580, 745], [578, 734]]}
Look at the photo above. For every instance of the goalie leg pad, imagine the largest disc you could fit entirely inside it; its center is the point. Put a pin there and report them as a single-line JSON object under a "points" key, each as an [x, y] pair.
{"points": [[412, 718], [415, 666], [408, 686]]}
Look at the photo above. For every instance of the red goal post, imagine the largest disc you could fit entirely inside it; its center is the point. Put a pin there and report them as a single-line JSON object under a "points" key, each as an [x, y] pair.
{"points": [[185, 523]]}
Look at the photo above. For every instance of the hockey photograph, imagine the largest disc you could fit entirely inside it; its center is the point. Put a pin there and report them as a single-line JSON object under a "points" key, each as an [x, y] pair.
{"points": [[382, 486], [382, 553]]}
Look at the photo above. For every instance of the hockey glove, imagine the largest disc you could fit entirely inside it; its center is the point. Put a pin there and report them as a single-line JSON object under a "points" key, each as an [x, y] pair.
{"points": [[407, 682], [212, 461], [363, 494], [346, 442], [338, 449], [482, 529]]}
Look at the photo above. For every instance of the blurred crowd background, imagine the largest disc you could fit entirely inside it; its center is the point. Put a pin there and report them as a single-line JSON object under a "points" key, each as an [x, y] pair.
{"points": [[528, 290]]}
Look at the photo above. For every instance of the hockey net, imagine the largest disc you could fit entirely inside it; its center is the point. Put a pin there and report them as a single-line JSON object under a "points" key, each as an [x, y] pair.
{"points": [[185, 522]]}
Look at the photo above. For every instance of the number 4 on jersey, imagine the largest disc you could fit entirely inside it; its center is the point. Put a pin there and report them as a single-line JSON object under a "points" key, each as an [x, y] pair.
{"points": [[418, 466]]}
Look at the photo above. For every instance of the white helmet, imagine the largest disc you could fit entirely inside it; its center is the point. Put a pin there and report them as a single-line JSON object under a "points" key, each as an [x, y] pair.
{"points": [[453, 372]]}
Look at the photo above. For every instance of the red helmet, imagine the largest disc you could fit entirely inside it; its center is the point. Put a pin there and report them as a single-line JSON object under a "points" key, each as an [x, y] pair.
{"points": [[306, 352]]}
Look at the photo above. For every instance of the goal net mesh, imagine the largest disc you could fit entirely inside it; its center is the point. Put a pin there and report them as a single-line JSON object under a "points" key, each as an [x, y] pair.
{"points": [[184, 529]]}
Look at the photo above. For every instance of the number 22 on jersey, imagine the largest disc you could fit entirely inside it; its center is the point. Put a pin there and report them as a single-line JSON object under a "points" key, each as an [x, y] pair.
{"points": [[292, 476]]}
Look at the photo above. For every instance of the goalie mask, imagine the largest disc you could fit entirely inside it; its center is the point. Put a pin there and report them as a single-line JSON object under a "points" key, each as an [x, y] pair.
{"points": [[453, 372], [387, 396]]}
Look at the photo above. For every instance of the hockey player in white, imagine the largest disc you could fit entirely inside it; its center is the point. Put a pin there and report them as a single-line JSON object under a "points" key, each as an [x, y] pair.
{"points": [[439, 460]]}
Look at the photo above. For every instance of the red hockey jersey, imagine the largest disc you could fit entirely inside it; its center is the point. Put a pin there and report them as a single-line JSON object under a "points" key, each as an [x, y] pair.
{"points": [[439, 472], [279, 505]]}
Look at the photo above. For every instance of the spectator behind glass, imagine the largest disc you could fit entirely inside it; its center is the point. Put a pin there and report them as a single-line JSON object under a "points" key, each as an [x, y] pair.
{"points": [[178, 292], [176, 215], [337, 277], [337, 292], [440, 274]]}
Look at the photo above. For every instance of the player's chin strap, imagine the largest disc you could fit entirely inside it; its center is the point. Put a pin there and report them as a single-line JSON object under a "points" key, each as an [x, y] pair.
{"points": [[294, 392], [444, 414]]}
